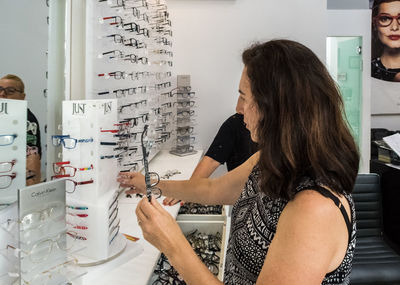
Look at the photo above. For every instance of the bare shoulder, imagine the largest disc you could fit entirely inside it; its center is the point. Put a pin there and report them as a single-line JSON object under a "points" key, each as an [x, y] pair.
{"points": [[311, 209]]}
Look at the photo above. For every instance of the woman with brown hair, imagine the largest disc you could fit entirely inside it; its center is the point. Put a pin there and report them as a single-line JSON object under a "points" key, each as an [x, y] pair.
{"points": [[385, 62], [293, 219]]}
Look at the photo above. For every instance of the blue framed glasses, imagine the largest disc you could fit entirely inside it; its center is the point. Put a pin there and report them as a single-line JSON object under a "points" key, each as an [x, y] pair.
{"points": [[68, 142], [7, 139]]}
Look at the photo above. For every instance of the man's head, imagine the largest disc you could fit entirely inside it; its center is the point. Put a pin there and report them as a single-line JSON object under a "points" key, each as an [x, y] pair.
{"points": [[12, 87]]}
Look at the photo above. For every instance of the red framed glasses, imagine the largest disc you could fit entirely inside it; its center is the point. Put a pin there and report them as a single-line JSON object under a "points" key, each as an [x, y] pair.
{"points": [[7, 166], [6, 180], [71, 184], [62, 169], [385, 20]]}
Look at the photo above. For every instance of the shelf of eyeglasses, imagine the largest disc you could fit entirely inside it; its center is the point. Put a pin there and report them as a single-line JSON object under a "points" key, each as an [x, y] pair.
{"points": [[43, 254], [198, 209], [206, 246], [63, 273]]}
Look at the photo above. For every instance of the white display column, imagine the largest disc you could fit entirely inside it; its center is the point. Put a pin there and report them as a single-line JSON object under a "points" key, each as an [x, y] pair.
{"points": [[92, 205]]}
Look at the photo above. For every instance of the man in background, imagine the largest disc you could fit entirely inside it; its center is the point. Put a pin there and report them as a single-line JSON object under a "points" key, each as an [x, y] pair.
{"points": [[232, 145], [12, 87]]}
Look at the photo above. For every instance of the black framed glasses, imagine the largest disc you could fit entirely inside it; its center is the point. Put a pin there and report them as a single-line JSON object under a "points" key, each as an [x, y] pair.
{"points": [[9, 90], [133, 27], [132, 42], [150, 187], [117, 38], [113, 54], [136, 59], [385, 20], [186, 113]]}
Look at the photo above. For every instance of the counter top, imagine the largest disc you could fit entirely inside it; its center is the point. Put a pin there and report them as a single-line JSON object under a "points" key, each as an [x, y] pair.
{"points": [[135, 264]]}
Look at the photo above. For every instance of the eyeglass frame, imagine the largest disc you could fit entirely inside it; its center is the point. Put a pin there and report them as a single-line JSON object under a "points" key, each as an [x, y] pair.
{"points": [[376, 18], [9, 90], [76, 183], [14, 136], [12, 177], [12, 163]]}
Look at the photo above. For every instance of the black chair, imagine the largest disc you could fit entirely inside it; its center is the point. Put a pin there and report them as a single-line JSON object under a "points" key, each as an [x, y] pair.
{"points": [[375, 262]]}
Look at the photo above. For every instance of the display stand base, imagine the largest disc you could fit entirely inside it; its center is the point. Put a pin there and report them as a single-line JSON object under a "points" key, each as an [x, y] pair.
{"points": [[116, 249], [182, 154]]}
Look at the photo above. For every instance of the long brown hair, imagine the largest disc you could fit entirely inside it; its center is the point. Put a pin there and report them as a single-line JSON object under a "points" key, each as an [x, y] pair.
{"points": [[302, 130]]}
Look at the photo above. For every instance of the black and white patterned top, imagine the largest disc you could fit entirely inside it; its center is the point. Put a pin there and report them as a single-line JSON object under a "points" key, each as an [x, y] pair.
{"points": [[254, 220]]}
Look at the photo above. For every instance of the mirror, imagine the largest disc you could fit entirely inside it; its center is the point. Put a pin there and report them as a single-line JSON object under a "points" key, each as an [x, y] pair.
{"points": [[33, 49]]}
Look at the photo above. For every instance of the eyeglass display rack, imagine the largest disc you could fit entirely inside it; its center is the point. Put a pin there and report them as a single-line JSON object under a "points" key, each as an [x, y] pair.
{"points": [[9, 263], [45, 243], [92, 192], [129, 58], [12, 176], [185, 114], [12, 149]]}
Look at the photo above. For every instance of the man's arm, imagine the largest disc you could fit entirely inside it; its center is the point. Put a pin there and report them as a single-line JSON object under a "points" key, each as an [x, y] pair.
{"points": [[204, 169]]}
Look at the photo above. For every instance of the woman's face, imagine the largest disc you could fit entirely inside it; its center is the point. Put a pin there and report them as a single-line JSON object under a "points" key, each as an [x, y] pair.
{"points": [[389, 35], [248, 106]]}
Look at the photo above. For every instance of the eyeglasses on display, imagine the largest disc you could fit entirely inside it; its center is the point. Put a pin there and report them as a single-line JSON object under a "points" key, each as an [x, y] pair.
{"points": [[7, 139], [7, 166], [39, 217], [41, 251], [71, 184], [62, 168], [136, 59], [184, 104], [184, 130], [78, 227], [68, 142], [6, 180]]}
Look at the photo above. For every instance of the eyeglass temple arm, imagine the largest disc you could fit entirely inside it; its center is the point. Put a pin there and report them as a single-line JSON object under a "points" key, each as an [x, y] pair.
{"points": [[146, 164]]}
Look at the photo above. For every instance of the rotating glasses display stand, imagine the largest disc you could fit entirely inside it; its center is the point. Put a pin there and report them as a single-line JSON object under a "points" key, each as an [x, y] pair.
{"points": [[89, 165], [45, 243], [13, 116], [184, 118]]}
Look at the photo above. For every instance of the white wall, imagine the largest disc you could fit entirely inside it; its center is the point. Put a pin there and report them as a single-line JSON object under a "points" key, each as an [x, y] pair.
{"points": [[358, 23], [209, 37]]}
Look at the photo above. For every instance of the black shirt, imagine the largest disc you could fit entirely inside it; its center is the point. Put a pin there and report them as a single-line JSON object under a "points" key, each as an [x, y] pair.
{"points": [[232, 144], [379, 71], [33, 132]]}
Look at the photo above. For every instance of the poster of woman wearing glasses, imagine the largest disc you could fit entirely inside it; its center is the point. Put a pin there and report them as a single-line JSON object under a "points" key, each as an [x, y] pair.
{"points": [[385, 62]]}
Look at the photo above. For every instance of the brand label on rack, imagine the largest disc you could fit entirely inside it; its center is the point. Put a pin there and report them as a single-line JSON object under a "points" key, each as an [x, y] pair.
{"points": [[3, 108], [107, 107], [43, 192], [78, 108]]}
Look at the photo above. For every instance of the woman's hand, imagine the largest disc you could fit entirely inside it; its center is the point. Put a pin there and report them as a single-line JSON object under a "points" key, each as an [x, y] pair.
{"points": [[132, 180], [158, 226]]}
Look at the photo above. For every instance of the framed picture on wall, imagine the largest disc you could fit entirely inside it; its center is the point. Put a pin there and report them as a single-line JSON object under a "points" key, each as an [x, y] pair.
{"points": [[385, 46]]}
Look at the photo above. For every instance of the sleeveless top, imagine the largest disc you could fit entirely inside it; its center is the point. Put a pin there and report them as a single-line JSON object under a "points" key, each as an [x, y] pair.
{"points": [[253, 226]]}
